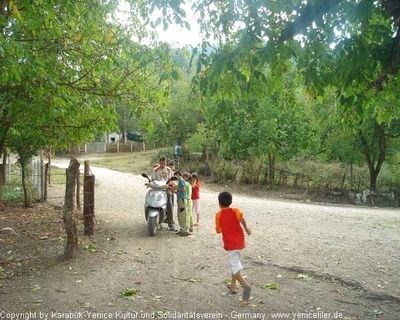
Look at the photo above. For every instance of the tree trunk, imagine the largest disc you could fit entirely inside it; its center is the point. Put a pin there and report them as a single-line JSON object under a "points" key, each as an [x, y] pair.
{"points": [[69, 219], [271, 168], [351, 176], [3, 167], [49, 166], [204, 154], [373, 177], [23, 177], [375, 169]]}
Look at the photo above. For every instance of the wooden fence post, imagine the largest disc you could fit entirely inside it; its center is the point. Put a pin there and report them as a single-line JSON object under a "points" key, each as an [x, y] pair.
{"points": [[78, 190], [46, 180], [69, 219], [88, 201]]}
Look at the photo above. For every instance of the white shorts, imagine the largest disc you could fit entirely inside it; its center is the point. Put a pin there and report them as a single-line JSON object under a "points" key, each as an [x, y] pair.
{"points": [[234, 260], [196, 206]]}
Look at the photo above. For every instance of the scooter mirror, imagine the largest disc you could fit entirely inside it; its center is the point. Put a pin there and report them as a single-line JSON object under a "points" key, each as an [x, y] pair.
{"points": [[144, 175]]}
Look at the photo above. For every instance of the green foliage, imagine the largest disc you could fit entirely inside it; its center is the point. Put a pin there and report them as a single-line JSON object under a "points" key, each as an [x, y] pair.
{"points": [[163, 152], [65, 66], [223, 171], [254, 171], [389, 179], [12, 192], [202, 140], [252, 80], [17, 189], [177, 121], [270, 82]]}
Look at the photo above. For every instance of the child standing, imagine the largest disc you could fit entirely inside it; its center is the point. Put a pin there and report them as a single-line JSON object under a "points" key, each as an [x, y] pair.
{"points": [[180, 189], [229, 222], [196, 197], [189, 216]]}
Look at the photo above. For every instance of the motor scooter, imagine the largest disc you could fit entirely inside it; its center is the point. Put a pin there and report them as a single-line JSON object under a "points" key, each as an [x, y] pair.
{"points": [[155, 206]]}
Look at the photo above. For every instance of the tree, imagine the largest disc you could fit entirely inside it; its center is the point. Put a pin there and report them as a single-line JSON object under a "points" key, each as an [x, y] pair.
{"points": [[353, 46], [22, 142], [377, 139], [274, 31], [65, 64], [178, 119]]}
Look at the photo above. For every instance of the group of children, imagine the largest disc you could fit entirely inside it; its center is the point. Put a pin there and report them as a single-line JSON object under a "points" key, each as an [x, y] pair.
{"points": [[228, 221], [187, 190]]}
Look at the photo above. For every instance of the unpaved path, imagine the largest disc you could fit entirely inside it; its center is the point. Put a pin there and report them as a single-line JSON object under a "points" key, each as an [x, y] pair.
{"points": [[328, 262]]}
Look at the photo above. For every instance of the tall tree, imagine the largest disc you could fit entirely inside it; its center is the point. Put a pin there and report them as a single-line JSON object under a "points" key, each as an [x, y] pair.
{"points": [[351, 45], [64, 64]]}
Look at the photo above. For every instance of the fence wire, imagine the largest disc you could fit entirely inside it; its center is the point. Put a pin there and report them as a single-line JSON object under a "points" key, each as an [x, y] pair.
{"points": [[35, 181]]}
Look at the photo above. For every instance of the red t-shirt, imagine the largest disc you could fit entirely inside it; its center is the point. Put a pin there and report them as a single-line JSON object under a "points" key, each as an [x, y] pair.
{"points": [[227, 221], [196, 191]]}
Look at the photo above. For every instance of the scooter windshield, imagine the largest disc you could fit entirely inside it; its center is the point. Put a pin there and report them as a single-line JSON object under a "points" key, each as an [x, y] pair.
{"points": [[158, 185]]}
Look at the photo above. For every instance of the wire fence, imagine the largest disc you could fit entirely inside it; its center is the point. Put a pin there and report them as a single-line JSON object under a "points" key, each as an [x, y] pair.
{"points": [[35, 181], [103, 147], [42, 183]]}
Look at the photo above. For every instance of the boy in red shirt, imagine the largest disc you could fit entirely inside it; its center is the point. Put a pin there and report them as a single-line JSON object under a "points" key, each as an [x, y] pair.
{"points": [[229, 222]]}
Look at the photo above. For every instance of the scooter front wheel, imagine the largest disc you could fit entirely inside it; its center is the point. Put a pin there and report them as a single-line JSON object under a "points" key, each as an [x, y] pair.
{"points": [[152, 226]]}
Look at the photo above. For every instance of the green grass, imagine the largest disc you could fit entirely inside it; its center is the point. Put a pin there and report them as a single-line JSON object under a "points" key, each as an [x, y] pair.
{"points": [[58, 176], [134, 162]]}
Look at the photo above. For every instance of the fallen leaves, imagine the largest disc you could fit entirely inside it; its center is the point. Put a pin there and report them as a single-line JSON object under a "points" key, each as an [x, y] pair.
{"points": [[228, 281], [272, 286], [128, 292], [35, 288], [91, 248]]}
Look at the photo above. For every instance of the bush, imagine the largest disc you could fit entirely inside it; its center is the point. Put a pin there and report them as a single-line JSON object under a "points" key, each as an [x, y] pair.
{"points": [[223, 171], [299, 173], [12, 192]]}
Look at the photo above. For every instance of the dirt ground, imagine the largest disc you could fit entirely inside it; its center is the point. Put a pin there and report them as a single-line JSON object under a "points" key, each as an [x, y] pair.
{"points": [[303, 261]]}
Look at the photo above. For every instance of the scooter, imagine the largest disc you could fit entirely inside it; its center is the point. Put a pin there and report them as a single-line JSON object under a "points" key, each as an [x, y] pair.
{"points": [[155, 206]]}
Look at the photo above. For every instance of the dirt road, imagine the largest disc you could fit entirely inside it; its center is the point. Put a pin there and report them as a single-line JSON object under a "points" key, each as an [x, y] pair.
{"points": [[327, 262]]}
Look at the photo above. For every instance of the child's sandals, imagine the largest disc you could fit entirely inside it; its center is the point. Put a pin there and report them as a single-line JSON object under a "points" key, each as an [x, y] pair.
{"points": [[246, 296], [230, 289]]}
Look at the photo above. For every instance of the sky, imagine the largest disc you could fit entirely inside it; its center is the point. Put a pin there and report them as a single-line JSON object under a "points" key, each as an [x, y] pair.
{"points": [[176, 36]]}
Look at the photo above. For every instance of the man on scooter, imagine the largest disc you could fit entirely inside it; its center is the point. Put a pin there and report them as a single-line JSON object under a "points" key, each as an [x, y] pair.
{"points": [[163, 173]]}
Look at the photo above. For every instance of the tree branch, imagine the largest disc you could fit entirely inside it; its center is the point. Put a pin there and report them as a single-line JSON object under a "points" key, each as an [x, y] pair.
{"points": [[306, 18]]}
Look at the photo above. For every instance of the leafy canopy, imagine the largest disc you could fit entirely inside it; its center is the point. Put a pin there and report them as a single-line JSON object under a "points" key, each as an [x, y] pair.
{"points": [[65, 64]]}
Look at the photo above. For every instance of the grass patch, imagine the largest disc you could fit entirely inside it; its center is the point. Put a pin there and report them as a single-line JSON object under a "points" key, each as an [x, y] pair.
{"points": [[58, 175], [133, 162]]}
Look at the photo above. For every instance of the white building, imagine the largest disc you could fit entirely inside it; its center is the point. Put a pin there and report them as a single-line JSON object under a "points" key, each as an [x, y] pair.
{"points": [[112, 137]]}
